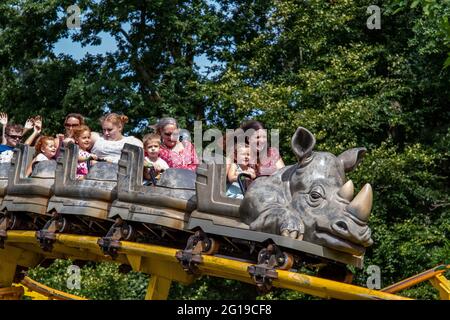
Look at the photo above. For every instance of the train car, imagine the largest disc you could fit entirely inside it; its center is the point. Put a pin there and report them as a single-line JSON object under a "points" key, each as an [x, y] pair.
{"points": [[218, 215], [24, 205], [7, 221], [4, 172], [80, 205], [156, 212], [29, 195]]}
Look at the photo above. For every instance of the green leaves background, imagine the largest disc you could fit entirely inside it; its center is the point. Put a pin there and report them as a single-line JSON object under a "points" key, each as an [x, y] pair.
{"points": [[287, 63]]}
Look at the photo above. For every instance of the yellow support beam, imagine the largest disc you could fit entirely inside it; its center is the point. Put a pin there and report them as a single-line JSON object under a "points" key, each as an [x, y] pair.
{"points": [[158, 288], [443, 285], [162, 265], [7, 272]]}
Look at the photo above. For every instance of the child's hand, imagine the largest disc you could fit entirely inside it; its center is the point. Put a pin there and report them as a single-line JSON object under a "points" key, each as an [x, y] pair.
{"points": [[147, 164], [37, 124], [3, 118], [157, 167], [66, 141], [94, 156], [251, 172], [29, 124]]}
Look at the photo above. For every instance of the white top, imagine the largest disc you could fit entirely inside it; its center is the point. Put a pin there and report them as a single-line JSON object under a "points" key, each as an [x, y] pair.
{"points": [[110, 150], [41, 157], [6, 156], [160, 163]]}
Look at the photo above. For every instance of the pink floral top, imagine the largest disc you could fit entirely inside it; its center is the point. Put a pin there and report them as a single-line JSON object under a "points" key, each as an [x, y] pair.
{"points": [[267, 165], [82, 166], [185, 159]]}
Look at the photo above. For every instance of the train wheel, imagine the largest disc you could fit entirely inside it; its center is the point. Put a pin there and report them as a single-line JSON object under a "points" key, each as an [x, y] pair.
{"points": [[212, 246], [62, 225], [288, 261], [127, 232]]}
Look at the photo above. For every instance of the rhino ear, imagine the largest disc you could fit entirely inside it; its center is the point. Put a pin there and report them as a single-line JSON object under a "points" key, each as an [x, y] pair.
{"points": [[351, 158], [302, 143]]}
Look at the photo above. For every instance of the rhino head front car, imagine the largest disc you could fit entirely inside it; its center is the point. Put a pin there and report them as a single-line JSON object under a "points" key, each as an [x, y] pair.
{"points": [[312, 200]]}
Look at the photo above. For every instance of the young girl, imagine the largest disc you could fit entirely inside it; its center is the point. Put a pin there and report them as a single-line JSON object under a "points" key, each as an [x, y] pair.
{"points": [[45, 150], [82, 137], [241, 165], [151, 148]]}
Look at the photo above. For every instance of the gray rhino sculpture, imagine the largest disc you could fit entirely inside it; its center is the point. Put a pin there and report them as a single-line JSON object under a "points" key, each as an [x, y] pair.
{"points": [[311, 200]]}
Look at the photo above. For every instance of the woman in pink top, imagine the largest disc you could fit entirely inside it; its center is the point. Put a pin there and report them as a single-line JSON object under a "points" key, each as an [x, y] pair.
{"points": [[268, 159], [177, 154]]}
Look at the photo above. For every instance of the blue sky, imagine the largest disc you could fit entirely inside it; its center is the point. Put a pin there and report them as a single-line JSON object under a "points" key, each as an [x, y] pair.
{"points": [[67, 46], [108, 44]]}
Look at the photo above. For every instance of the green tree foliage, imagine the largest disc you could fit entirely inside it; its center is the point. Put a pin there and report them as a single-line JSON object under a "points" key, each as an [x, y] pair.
{"points": [[315, 64], [98, 281], [288, 63]]}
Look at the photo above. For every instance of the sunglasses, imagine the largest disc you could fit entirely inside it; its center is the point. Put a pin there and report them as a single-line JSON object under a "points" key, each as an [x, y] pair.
{"points": [[12, 136], [68, 125], [168, 134]]}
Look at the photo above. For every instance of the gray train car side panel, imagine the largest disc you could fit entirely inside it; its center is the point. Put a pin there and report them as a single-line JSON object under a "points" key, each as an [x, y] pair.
{"points": [[4, 171], [153, 215], [91, 196], [174, 194], [214, 200], [28, 194]]}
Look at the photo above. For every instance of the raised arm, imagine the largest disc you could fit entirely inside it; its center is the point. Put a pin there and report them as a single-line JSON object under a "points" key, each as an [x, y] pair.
{"points": [[37, 126], [30, 168], [3, 122], [29, 124]]}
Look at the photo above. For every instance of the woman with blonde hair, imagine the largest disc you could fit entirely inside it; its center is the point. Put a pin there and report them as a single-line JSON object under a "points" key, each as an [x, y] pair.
{"points": [[109, 145]]}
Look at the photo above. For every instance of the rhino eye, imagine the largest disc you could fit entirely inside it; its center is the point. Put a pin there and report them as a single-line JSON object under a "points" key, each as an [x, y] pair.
{"points": [[315, 195]]}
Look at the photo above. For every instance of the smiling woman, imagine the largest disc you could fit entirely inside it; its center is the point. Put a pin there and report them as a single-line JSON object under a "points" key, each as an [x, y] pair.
{"points": [[268, 159], [177, 154]]}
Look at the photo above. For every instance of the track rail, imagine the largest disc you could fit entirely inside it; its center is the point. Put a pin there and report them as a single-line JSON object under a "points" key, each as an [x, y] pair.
{"points": [[23, 249], [47, 292]]}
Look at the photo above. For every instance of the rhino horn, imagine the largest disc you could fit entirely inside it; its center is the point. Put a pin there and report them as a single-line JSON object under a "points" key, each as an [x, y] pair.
{"points": [[361, 205], [347, 190]]}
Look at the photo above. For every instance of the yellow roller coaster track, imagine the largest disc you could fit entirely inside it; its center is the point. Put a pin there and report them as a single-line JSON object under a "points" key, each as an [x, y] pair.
{"points": [[38, 291], [22, 249]]}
